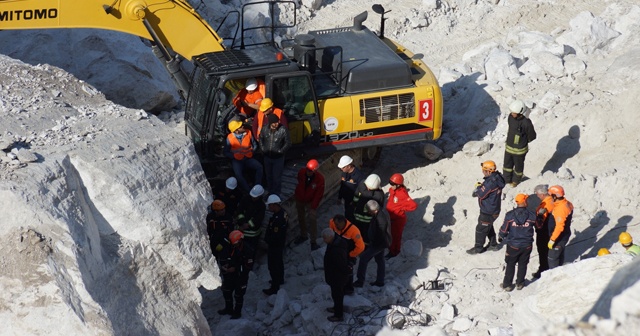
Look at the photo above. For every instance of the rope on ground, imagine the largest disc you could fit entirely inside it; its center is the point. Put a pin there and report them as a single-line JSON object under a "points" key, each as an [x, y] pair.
{"points": [[363, 316]]}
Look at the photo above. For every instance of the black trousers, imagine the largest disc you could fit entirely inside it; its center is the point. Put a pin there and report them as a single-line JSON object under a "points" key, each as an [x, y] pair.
{"points": [[556, 254], [337, 294], [513, 167], [275, 260], [513, 256], [484, 230], [542, 238], [233, 287]]}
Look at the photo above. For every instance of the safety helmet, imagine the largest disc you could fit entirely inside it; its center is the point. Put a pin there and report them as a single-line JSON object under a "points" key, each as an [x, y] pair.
{"points": [[256, 191], [603, 251], [372, 182], [251, 84], [345, 160], [217, 205], [266, 104], [231, 183], [625, 239], [313, 165], [235, 236], [488, 166], [234, 125], [517, 106], [397, 179], [521, 198], [556, 191], [272, 199]]}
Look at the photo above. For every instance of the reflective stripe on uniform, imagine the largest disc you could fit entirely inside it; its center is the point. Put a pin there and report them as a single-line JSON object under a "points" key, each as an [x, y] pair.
{"points": [[516, 151]]}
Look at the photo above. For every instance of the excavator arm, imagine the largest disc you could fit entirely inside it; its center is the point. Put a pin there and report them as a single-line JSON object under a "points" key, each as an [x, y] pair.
{"points": [[175, 24]]}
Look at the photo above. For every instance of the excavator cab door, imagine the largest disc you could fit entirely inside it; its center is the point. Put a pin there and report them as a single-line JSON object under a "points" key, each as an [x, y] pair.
{"points": [[293, 92]]}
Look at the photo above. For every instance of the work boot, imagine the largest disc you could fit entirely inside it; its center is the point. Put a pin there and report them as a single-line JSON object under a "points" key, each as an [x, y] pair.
{"points": [[506, 288], [228, 308], [270, 291], [335, 318], [495, 247], [475, 250], [237, 313], [513, 184], [377, 284], [389, 256], [358, 283], [536, 274], [331, 310], [520, 286]]}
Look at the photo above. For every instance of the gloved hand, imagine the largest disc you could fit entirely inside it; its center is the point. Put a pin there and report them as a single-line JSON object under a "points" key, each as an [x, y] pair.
{"points": [[478, 184], [218, 247], [542, 211], [499, 239], [550, 244], [352, 262]]}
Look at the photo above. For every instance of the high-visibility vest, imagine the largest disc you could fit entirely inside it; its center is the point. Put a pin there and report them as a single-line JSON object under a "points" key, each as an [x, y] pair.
{"points": [[241, 150], [262, 117]]}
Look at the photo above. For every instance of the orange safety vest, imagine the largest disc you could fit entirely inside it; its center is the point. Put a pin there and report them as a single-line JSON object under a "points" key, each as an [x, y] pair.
{"points": [[262, 117], [241, 150]]}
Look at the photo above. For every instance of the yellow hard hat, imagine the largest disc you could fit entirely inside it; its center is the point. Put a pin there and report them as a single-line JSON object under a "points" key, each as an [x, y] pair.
{"points": [[489, 166], [603, 251], [266, 104], [625, 239], [234, 125]]}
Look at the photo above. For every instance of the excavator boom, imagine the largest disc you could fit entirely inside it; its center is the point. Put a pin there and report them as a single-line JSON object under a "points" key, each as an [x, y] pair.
{"points": [[177, 25]]}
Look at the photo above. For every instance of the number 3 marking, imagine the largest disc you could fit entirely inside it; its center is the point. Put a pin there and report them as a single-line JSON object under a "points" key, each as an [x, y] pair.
{"points": [[426, 110]]}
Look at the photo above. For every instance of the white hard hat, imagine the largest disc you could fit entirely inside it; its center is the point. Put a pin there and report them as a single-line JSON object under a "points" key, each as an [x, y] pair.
{"points": [[251, 84], [231, 183], [256, 191], [273, 199], [344, 161], [372, 182], [517, 106]]}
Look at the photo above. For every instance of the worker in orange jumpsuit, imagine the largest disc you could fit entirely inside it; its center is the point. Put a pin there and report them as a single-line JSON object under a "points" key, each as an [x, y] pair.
{"points": [[542, 227], [247, 101], [398, 204], [345, 229], [559, 226]]}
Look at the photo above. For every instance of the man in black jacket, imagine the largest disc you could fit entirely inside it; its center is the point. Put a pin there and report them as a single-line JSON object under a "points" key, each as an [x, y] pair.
{"points": [[519, 135], [274, 142], [489, 194], [349, 182], [219, 226], [336, 271], [250, 214], [235, 268], [275, 237], [367, 190], [518, 228], [378, 239]]}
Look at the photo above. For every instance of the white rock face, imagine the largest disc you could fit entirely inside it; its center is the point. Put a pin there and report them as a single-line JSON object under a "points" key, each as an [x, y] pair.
{"points": [[107, 244]]}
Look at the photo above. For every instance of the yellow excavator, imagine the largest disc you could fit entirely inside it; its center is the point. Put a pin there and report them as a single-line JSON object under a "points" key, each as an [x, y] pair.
{"points": [[340, 88]]}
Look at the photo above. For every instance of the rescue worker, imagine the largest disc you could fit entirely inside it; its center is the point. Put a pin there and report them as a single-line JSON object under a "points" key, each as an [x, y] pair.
{"points": [[350, 179], [627, 242], [489, 194], [240, 147], [398, 204], [248, 100], [542, 227], [345, 229], [250, 214], [367, 190], [603, 251], [267, 109], [308, 194], [274, 142], [518, 229], [379, 227], [276, 237], [559, 226], [336, 271], [219, 225], [231, 195], [235, 274], [521, 132]]}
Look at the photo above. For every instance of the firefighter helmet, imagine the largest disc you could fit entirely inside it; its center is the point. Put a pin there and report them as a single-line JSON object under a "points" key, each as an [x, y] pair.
{"points": [[488, 166], [517, 106], [235, 236], [231, 183], [372, 182], [345, 160], [256, 191], [217, 205], [556, 191]]}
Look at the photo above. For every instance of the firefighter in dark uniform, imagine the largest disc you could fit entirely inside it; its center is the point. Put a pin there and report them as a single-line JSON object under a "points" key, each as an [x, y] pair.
{"points": [[518, 229], [231, 195], [250, 215], [219, 225], [367, 190], [275, 237], [519, 135], [350, 179], [235, 268], [489, 194]]}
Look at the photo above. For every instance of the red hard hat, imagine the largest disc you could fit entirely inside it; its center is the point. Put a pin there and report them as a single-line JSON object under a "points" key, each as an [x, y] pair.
{"points": [[235, 235], [313, 165], [397, 179]]}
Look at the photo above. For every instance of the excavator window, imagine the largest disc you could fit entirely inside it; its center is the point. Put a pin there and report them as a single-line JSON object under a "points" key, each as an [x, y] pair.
{"points": [[294, 94]]}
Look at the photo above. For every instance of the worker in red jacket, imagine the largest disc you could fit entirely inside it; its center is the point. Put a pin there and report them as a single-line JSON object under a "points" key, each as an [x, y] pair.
{"points": [[398, 204], [308, 195]]}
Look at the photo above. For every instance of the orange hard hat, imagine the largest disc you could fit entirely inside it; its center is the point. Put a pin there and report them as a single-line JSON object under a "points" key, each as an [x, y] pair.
{"points": [[556, 191], [235, 236], [313, 165], [521, 198], [488, 166], [397, 179], [217, 205]]}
